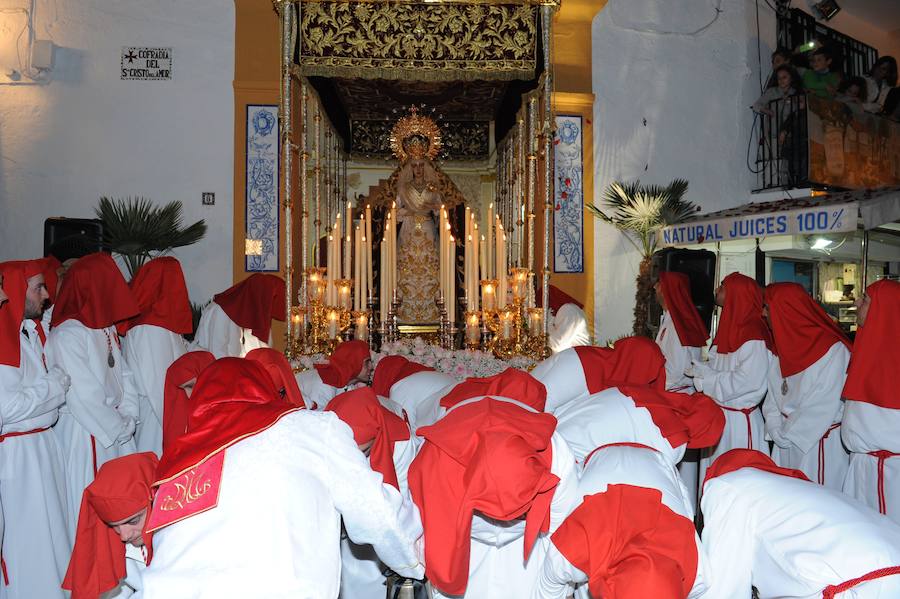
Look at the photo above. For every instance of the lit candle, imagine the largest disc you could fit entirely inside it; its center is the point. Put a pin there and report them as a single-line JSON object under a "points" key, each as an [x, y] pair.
{"points": [[506, 324], [451, 310], [489, 231], [357, 269], [489, 294], [535, 321], [369, 248], [384, 298], [329, 269], [473, 332], [332, 324], [362, 326], [349, 235], [344, 299], [296, 321]]}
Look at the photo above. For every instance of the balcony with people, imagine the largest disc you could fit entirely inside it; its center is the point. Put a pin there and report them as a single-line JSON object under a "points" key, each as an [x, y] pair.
{"points": [[817, 127]]}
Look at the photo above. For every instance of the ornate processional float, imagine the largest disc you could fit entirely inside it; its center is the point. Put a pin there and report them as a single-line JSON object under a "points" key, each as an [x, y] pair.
{"points": [[416, 256]]}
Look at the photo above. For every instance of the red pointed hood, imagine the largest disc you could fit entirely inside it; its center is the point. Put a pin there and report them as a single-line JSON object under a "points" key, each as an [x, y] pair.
{"points": [[120, 490], [95, 294], [742, 318], [370, 421], [254, 303], [176, 405], [876, 352], [345, 362], [692, 419], [492, 457], [676, 290], [162, 297], [633, 361], [233, 399], [281, 373], [15, 284], [630, 545]]}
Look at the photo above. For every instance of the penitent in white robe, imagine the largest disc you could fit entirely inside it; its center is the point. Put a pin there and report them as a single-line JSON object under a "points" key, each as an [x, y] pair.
{"points": [[361, 570], [417, 397], [150, 350], [866, 429], [792, 538], [678, 359], [37, 540], [620, 465], [497, 565], [316, 393], [563, 376], [804, 421], [678, 356], [219, 335], [276, 530], [568, 328], [737, 382], [101, 398]]}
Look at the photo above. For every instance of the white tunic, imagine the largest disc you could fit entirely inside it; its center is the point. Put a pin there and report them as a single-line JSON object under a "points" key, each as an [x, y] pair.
{"points": [[736, 381], [221, 337], [150, 350], [563, 376], [316, 393], [130, 586], [93, 425], [568, 328], [361, 570], [798, 420], [790, 538], [277, 527], [678, 356], [869, 428], [497, 568], [611, 417], [37, 540], [620, 465]]}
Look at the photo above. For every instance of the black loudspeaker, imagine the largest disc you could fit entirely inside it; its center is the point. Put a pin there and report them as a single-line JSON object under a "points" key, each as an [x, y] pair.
{"points": [[700, 267], [72, 237]]}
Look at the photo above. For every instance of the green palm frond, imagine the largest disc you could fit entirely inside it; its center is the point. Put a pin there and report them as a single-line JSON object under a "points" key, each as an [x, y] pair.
{"points": [[641, 210], [137, 229]]}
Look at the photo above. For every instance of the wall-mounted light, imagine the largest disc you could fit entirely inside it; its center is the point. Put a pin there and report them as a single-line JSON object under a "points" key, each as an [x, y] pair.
{"points": [[253, 247]]}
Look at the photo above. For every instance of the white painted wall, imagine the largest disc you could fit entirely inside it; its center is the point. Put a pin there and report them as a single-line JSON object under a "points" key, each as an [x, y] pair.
{"points": [[692, 79], [86, 133]]}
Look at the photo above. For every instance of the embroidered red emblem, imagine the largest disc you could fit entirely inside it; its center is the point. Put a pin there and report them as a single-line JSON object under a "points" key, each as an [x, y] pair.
{"points": [[188, 494]]}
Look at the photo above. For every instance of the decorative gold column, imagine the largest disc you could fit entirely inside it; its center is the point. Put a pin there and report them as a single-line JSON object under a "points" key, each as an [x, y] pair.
{"points": [[285, 126], [546, 25]]}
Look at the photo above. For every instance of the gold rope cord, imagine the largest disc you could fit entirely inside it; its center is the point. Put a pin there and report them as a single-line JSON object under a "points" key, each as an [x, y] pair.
{"points": [[424, 42]]}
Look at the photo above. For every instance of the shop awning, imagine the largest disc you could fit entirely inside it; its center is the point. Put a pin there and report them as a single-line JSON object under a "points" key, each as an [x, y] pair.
{"points": [[810, 215]]}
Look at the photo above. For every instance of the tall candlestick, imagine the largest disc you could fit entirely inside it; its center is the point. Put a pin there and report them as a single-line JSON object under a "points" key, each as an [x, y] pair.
{"points": [[369, 246], [489, 232], [357, 263], [384, 298], [451, 309]]}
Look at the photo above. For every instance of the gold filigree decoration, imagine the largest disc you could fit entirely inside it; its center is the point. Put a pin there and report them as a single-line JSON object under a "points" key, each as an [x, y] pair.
{"points": [[415, 136], [420, 41], [191, 487], [468, 140]]}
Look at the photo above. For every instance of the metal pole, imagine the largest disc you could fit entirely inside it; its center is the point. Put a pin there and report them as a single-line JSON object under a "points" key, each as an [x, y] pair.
{"points": [[532, 179], [287, 11], [864, 279], [546, 23]]}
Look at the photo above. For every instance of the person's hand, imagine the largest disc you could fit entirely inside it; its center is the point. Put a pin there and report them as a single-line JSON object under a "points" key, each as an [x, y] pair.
{"points": [[59, 375], [128, 426]]}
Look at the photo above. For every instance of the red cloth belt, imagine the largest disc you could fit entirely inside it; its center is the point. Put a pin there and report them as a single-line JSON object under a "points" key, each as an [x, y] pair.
{"points": [[822, 452], [33, 431], [882, 455], [619, 444], [831, 590], [3, 568], [746, 412], [94, 453]]}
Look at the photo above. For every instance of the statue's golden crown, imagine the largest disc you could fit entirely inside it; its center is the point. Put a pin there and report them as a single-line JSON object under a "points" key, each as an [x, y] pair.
{"points": [[415, 136]]}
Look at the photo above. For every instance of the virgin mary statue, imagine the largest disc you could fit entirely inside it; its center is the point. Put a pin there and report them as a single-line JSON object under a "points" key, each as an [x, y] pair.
{"points": [[418, 206]]}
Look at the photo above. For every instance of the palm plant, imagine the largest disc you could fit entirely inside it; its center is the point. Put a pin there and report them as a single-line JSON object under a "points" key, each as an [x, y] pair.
{"points": [[138, 230], [640, 211]]}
